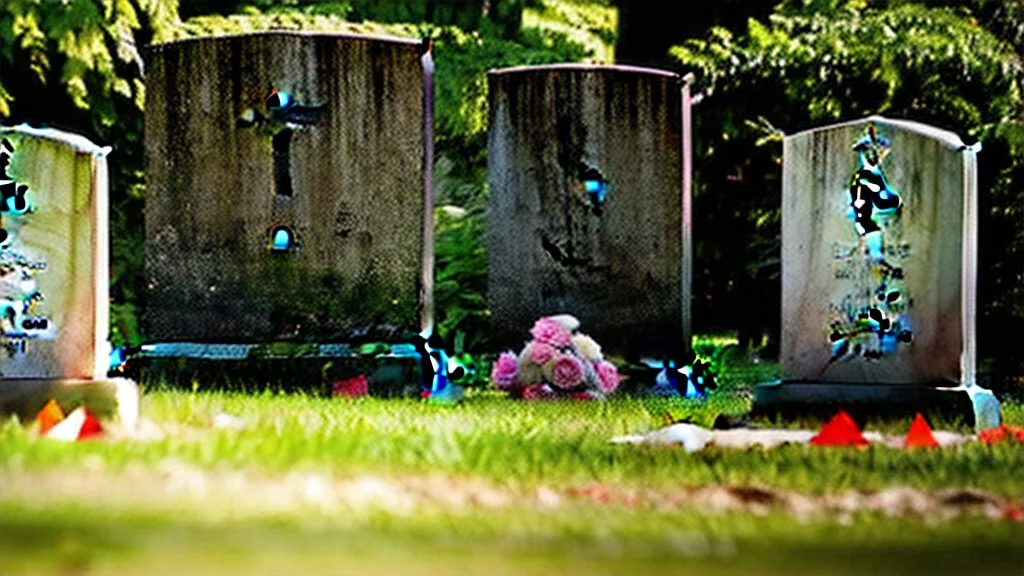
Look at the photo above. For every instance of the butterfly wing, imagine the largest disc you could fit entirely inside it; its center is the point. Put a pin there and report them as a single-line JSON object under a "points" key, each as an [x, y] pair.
{"points": [[303, 115]]}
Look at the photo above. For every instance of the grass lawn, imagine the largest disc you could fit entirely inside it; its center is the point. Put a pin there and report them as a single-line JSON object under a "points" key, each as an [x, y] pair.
{"points": [[490, 486]]}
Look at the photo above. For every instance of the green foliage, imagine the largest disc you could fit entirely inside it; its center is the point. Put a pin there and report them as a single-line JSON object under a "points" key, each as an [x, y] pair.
{"points": [[214, 25], [124, 325], [462, 60], [460, 285], [591, 24], [503, 15], [821, 61], [87, 46], [75, 65], [930, 64], [734, 367]]}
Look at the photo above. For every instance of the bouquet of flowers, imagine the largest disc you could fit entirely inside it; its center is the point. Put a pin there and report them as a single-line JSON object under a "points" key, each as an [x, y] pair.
{"points": [[558, 363]]}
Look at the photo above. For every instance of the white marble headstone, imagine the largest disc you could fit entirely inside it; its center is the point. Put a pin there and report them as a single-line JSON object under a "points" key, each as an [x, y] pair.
{"points": [[879, 256], [53, 256]]}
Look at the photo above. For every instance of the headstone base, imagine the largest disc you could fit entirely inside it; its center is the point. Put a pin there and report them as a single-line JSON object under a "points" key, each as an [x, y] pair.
{"points": [[308, 368], [106, 398], [793, 399]]}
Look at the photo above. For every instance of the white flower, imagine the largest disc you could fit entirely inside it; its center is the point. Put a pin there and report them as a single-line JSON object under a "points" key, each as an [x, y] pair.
{"points": [[586, 347], [568, 322]]}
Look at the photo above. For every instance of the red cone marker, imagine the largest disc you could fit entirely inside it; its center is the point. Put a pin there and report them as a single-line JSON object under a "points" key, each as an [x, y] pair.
{"points": [[90, 426], [920, 435], [840, 431]]}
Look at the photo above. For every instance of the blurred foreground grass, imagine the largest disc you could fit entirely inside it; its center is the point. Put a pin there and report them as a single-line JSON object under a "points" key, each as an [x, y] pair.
{"points": [[104, 506], [570, 541]]}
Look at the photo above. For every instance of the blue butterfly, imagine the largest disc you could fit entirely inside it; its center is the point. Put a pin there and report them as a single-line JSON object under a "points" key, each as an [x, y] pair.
{"points": [[595, 186], [698, 378], [280, 100], [437, 369], [12, 194], [284, 108]]}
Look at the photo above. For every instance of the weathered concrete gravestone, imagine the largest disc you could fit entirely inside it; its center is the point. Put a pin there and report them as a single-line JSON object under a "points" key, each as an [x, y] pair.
{"points": [[878, 263], [589, 212], [53, 274], [286, 188]]}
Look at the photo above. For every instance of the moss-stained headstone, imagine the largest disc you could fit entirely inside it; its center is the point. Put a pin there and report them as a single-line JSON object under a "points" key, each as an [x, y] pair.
{"points": [[878, 255], [586, 206], [285, 188]]}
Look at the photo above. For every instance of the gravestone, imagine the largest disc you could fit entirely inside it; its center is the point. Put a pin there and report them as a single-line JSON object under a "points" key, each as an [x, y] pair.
{"points": [[286, 188], [54, 309], [589, 204], [879, 265]]}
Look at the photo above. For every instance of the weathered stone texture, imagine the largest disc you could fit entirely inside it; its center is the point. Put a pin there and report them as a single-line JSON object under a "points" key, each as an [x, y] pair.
{"points": [[619, 271], [357, 198]]}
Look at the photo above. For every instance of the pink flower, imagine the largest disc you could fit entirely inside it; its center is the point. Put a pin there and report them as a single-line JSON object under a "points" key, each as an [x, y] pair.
{"points": [[535, 392], [540, 353], [568, 372], [550, 332], [538, 392], [504, 371], [608, 376]]}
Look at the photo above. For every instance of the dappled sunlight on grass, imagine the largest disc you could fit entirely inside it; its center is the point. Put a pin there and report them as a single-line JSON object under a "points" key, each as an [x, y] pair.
{"points": [[507, 441]]}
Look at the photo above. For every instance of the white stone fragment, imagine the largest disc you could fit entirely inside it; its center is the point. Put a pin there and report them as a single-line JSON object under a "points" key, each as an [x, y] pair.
{"points": [[692, 438]]}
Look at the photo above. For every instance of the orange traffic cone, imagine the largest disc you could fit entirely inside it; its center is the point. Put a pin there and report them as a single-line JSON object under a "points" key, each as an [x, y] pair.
{"points": [[920, 435], [49, 416], [841, 430]]}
